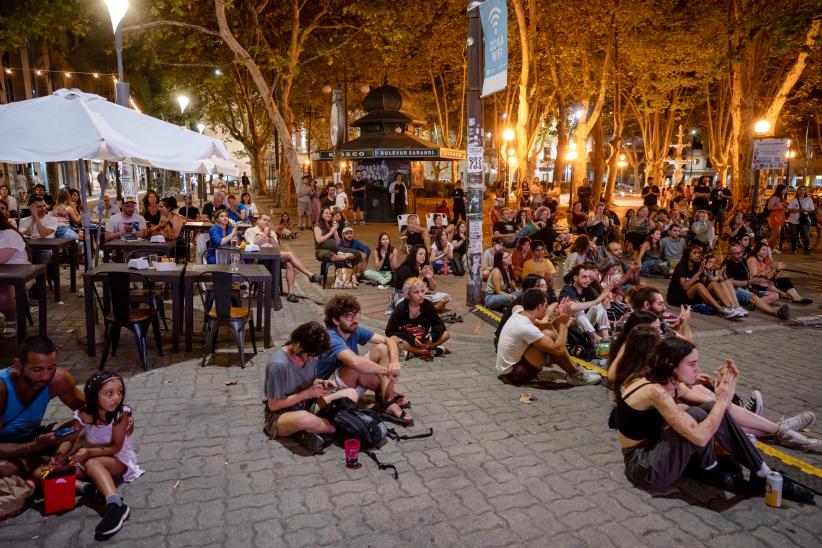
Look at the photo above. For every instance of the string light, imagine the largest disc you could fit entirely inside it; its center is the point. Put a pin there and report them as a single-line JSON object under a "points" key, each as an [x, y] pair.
{"points": [[40, 72], [68, 75]]}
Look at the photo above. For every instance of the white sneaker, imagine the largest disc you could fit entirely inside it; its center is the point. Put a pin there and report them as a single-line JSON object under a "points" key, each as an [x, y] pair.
{"points": [[584, 376], [755, 403], [797, 422], [795, 440], [727, 313], [741, 311]]}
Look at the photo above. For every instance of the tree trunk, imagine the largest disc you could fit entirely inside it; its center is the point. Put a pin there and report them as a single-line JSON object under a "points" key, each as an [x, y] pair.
{"points": [[562, 141], [598, 159]]}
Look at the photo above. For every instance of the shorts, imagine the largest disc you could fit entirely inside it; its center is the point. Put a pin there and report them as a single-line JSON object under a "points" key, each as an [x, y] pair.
{"points": [[359, 202], [303, 208], [522, 372], [743, 296], [270, 417]]}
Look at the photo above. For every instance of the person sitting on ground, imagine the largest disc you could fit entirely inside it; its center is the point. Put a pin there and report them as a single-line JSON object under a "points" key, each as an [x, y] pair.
{"points": [[442, 252], [661, 220], [327, 241], [638, 228], [599, 224], [25, 391], [631, 351], [459, 247], [127, 222], [649, 299], [737, 227], [588, 307], [501, 289], [379, 370], [529, 282], [720, 287], [284, 228], [702, 232], [673, 247], [188, 211], [40, 224], [416, 265], [487, 264], [686, 288], [736, 271], [546, 232], [506, 229], [630, 271], [236, 210], [416, 323], [416, 235], [525, 346], [521, 254], [108, 452], [293, 395], [383, 262], [262, 235], [577, 219], [579, 252], [540, 266], [651, 256], [610, 274], [764, 275], [655, 456], [348, 242]]}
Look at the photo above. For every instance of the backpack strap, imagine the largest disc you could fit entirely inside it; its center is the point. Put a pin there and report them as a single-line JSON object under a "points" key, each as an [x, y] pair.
{"points": [[391, 433], [382, 466]]}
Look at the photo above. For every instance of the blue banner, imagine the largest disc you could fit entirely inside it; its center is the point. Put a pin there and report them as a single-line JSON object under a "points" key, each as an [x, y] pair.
{"points": [[494, 15]]}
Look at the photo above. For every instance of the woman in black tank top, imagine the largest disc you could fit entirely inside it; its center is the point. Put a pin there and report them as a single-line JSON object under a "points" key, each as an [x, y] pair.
{"points": [[656, 456]]}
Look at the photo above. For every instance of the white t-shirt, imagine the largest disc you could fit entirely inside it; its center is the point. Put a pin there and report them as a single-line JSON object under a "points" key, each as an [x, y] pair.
{"points": [[250, 236], [517, 335], [118, 222], [806, 206], [341, 200], [49, 221], [12, 203], [11, 239]]}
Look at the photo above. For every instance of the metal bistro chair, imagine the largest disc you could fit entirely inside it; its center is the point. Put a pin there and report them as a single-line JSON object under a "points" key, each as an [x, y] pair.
{"points": [[219, 310], [119, 311]]}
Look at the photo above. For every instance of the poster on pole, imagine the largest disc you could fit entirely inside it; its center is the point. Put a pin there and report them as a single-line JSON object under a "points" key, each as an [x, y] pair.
{"points": [[494, 15], [770, 153], [475, 236]]}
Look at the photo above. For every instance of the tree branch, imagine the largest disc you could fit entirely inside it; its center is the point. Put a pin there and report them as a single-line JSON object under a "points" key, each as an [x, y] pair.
{"points": [[152, 24]]}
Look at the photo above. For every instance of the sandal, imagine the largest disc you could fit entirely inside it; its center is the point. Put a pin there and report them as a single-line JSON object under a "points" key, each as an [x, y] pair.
{"points": [[401, 420], [802, 301]]}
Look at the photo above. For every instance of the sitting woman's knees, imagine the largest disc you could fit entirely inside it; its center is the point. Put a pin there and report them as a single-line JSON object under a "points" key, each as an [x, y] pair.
{"points": [[349, 393], [698, 413]]}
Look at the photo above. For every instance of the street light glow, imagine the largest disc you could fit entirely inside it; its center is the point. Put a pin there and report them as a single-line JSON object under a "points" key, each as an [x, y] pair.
{"points": [[183, 100], [200, 127], [693, 132], [96, 75], [116, 10], [512, 161], [508, 135], [218, 72], [762, 127], [327, 88]]}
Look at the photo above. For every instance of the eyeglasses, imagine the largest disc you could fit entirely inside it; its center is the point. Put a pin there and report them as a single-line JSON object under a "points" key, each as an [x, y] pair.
{"points": [[351, 315]]}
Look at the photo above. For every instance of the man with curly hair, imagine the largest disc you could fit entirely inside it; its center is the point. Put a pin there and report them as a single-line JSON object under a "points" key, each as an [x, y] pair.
{"points": [[378, 370]]}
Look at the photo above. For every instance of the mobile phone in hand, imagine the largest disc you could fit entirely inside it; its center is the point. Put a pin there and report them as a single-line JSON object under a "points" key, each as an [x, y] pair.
{"points": [[65, 431]]}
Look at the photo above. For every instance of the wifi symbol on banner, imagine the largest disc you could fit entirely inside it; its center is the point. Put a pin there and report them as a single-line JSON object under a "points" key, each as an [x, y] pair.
{"points": [[493, 18]]}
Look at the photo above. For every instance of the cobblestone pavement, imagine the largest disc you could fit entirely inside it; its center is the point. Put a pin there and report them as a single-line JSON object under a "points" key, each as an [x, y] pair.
{"points": [[496, 471]]}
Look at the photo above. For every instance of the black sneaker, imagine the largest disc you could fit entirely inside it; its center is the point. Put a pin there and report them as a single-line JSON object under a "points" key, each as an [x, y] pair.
{"points": [[312, 442], [292, 298], [716, 477], [112, 520], [754, 403], [784, 312], [316, 279]]}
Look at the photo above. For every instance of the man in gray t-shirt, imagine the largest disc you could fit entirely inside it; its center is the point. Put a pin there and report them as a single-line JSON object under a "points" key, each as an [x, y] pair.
{"points": [[293, 393], [672, 246]]}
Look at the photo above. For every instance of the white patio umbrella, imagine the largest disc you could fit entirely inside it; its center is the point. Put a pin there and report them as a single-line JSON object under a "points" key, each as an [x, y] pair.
{"points": [[231, 167], [71, 125]]}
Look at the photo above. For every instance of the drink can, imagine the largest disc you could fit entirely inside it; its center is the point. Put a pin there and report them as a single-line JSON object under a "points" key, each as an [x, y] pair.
{"points": [[773, 489]]}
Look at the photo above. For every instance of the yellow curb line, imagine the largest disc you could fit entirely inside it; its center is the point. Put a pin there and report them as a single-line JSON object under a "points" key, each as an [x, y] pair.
{"points": [[790, 460], [487, 312]]}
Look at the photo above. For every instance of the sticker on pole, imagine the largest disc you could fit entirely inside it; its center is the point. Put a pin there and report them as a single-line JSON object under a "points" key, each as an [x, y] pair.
{"points": [[474, 236], [474, 159], [494, 15]]}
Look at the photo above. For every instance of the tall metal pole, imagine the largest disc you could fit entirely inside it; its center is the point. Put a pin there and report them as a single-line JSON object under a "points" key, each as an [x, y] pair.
{"points": [[475, 154], [122, 92]]}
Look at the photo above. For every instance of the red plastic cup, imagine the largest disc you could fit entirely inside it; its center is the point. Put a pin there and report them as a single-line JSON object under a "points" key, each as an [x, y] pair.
{"points": [[352, 453]]}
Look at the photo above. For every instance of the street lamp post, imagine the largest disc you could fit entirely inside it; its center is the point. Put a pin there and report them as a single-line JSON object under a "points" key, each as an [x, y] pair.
{"points": [[791, 154], [116, 11], [507, 136], [761, 129]]}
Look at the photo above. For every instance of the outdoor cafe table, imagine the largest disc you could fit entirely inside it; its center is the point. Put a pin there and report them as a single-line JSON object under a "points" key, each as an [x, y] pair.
{"points": [[270, 257], [16, 275], [130, 246], [172, 277], [194, 227], [55, 245], [254, 273]]}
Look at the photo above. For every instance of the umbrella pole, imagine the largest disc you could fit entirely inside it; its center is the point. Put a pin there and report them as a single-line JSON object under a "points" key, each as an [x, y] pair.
{"points": [[81, 164]]}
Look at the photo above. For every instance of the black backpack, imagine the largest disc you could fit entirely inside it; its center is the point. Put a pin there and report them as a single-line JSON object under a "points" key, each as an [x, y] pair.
{"points": [[363, 425], [579, 344]]}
